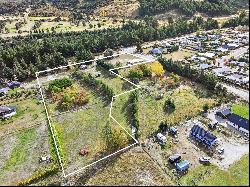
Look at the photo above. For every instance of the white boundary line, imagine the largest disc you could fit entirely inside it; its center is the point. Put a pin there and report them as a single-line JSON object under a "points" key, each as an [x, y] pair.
{"points": [[50, 126], [111, 106]]}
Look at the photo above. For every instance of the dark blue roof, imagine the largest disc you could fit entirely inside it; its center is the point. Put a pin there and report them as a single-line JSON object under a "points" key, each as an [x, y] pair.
{"points": [[201, 135], [240, 121], [156, 51], [183, 165], [13, 83], [4, 90]]}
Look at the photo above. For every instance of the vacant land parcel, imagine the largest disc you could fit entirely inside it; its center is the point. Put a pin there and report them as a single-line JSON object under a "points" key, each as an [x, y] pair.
{"points": [[78, 104]]}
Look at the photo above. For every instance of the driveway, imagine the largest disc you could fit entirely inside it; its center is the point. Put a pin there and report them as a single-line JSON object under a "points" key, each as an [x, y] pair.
{"points": [[244, 94], [233, 152]]}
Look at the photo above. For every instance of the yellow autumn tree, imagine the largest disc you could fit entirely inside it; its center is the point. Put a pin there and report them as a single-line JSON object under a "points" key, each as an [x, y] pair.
{"points": [[157, 69]]}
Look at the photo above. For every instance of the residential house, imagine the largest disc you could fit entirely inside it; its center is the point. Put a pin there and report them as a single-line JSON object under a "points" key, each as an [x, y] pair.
{"points": [[7, 112], [239, 123], [4, 91]]}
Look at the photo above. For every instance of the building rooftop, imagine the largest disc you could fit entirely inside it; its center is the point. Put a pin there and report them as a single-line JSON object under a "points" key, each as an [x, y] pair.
{"points": [[238, 120]]}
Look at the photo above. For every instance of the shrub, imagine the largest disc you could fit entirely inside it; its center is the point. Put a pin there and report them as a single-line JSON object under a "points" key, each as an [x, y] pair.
{"points": [[59, 84], [169, 105]]}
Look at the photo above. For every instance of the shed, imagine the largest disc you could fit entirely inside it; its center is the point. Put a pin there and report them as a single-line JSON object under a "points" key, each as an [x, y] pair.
{"points": [[4, 91], [183, 165], [13, 84], [156, 51], [7, 111]]}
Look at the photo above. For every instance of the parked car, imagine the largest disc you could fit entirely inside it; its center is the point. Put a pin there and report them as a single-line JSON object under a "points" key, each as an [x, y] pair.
{"points": [[83, 67], [205, 160], [182, 166], [221, 151], [173, 131], [174, 159], [161, 138]]}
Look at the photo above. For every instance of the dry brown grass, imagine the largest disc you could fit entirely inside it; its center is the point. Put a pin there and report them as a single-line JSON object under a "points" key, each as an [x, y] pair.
{"points": [[132, 168]]}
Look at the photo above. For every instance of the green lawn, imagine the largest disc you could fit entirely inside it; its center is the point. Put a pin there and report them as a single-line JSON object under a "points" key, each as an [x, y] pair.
{"points": [[27, 109], [236, 175], [85, 128], [20, 153], [151, 111], [241, 110]]}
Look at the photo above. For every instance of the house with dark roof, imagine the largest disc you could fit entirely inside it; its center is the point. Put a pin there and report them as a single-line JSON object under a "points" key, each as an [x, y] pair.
{"points": [[13, 84], [239, 123], [7, 112], [4, 91], [156, 51], [203, 136]]}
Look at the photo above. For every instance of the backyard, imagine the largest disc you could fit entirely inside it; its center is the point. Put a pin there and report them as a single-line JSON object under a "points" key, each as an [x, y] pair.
{"points": [[241, 110]]}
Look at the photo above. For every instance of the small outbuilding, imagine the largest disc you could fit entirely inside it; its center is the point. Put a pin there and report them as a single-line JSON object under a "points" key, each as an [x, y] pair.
{"points": [[13, 84], [182, 166], [156, 51], [7, 112], [4, 91]]}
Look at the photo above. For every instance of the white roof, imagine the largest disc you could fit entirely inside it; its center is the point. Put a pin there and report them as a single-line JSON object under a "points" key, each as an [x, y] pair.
{"points": [[233, 45], [209, 55]]}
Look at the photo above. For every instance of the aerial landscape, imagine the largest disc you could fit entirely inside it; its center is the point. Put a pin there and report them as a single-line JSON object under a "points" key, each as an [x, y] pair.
{"points": [[124, 92]]}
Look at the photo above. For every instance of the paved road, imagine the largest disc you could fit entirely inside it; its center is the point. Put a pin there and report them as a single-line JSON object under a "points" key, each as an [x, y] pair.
{"points": [[244, 94], [236, 53]]}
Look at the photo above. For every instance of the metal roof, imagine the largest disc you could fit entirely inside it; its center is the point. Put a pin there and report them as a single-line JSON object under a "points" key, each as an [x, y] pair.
{"points": [[6, 108], [240, 121]]}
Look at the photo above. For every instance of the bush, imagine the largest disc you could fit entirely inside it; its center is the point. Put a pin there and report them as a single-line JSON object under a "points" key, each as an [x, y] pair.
{"points": [[169, 105], [38, 176], [135, 74], [106, 66], [205, 107], [59, 84]]}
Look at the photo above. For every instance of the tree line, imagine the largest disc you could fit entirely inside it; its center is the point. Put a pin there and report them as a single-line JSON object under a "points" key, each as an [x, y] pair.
{"points": [[97, 84], [134, 119], [22, 57], [208, 79], [188, 7]]}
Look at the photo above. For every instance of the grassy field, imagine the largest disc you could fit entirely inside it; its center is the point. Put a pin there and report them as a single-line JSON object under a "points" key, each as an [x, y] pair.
{"points": [[236, 175], [23, 140], [151, 111], [241, 110], [131, 168], [22, 150], [84, 128]]}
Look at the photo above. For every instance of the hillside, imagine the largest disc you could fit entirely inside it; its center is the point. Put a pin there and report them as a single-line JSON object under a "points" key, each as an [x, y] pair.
{"points": [[127, 8]]}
